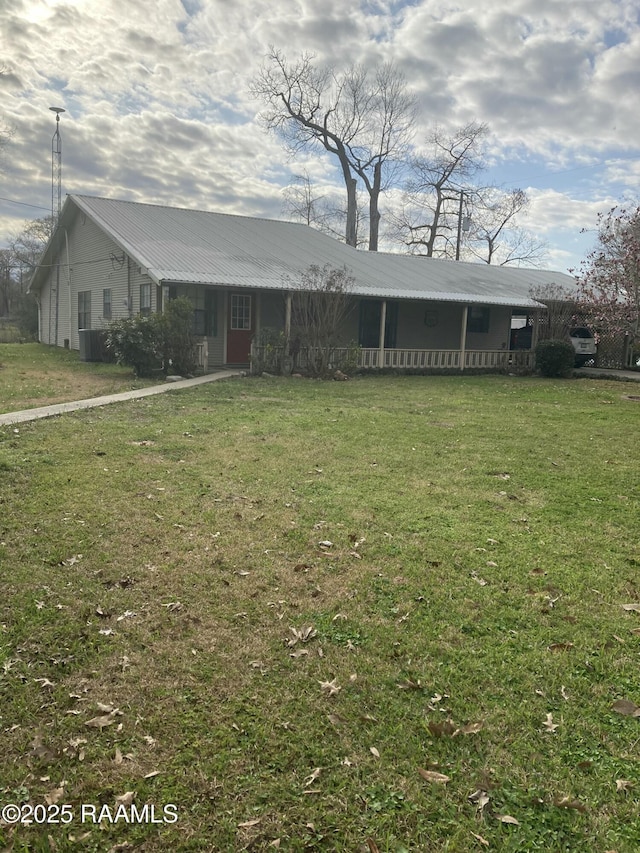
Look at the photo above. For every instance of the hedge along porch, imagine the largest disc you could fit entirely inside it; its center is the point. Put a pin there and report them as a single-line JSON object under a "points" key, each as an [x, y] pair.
{"points": [[109, 259]]}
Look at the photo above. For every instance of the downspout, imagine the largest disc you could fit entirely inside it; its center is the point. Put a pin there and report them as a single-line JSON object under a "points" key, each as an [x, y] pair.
{"points": [[129, 289], [57, 300], [50, 305], [463, 336], [383, 323], [66, 237]]}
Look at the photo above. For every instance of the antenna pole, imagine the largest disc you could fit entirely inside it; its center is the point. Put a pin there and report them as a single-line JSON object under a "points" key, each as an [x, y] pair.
{"points": [[56, 169]]}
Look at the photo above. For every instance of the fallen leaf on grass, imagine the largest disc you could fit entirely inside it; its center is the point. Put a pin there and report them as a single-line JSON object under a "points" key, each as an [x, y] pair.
{"points": [[102, 722], [128, 614], [479, 798], [374, 752], [249, 823], [482, 840], [469, 729], [373, 847], [304, 634], [634, 607], [560, 647], [312, 777], [118, 757], [330, 687], [153, 774], [570, 803], [507, 818], [433, 776], [54, 796], [409, 684], [549, 725], [626, 707], [623, 785], [126, 799], [444, 729]]}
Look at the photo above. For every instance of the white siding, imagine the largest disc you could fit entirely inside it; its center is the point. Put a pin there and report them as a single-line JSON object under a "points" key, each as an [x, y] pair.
{"points": [[94, 263]]}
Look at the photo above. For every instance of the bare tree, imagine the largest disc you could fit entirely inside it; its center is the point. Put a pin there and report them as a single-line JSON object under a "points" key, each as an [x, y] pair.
{"points": [[363, 121], [320, 302], [494, 237], [302, 202], [443, 188], [28, 245], [609, 280], [561, 306], [428, 222]]}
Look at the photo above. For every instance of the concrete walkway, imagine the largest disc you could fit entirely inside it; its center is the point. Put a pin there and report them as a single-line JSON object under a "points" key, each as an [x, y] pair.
{"points": [[93, 402]]}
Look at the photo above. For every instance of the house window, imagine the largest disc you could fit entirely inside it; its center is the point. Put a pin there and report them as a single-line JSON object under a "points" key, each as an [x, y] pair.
{"points": [[369, 332], [478, 319], [240, 312], [198, 325], [145, 299], [84, 309], [211, 313], [106, 303]]}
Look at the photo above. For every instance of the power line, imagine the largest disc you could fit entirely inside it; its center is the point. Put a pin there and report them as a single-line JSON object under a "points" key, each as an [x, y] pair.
{"points": [[23, 203]]}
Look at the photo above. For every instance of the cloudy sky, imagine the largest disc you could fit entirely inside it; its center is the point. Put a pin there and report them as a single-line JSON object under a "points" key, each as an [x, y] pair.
{"points": [[158, 107]]}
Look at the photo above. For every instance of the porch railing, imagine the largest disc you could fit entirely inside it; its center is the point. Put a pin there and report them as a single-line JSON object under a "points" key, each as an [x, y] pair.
{"points": [[272, 357], [202, 354]]}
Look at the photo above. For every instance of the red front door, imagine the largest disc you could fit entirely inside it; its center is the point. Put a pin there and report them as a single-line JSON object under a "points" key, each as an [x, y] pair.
{"points": [[240, 328]]}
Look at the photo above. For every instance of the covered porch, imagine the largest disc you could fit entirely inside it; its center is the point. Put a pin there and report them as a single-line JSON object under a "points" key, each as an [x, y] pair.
{"points": [[410, 335]]}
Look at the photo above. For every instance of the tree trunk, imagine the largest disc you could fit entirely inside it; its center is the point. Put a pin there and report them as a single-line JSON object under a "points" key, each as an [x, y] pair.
{"points": [[374, 212], [351, 233]]}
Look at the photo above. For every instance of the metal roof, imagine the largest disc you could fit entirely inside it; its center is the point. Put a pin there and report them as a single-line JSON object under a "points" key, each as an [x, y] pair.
{"points": [[178, 245]]}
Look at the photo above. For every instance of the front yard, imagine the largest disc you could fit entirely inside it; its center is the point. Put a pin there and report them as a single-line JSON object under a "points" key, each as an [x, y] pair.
{"points": [[389, 614], [34, 375]]}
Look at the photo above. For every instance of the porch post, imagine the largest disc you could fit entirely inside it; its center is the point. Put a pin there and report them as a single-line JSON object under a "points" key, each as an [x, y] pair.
{"points": [[383, 323], [535, 328], [463, 336]]}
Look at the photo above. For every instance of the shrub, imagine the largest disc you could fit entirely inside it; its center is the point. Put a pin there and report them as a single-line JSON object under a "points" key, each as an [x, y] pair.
{"points": [[179, 342], [139, 342], [156, 343], [555, 357]]}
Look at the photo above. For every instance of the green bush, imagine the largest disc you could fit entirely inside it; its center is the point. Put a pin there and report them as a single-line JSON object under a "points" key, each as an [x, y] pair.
{"points": [[138, 342], [555, 357], [179, 342], [156, 343]]}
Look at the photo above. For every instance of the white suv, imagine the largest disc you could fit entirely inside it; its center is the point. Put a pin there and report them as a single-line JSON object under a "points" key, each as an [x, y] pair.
{"points": [[584, 344]]}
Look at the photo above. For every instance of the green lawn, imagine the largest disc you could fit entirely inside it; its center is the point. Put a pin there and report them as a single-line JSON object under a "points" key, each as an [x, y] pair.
{"points": [[34, 375], [382, 615]]}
